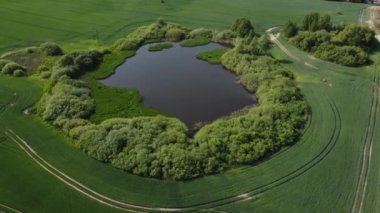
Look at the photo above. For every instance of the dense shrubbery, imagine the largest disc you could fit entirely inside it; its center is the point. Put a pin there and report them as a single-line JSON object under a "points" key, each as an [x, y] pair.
{"points": [[51, 49], [158, 31], [159, 146], [11, 68], [346, 45]]}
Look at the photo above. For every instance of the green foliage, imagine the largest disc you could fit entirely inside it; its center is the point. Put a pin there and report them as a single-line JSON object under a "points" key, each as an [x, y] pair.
{"points": [[345, 55], [175, 34], [290, 29], [314, 22], [243, 27], [201, 32], [253, 45], [11, 67], [160, 47], [225, 37], [158, 31], [199, 41], [356, 35], [19, 73], [212, 56], [344, 45], [3, 62], [310, 41], [51, 49]]}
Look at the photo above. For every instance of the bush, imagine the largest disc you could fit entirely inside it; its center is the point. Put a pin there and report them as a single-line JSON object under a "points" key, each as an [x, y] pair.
{"points": [[310, 41], [175, 34], [356, 35], [3, 62], [201, 32], [314, 22], [19, 73], [290, 29], [45, 74], [51, 49], [346, 55], [11, 67], [225, 37], [242, 27]]}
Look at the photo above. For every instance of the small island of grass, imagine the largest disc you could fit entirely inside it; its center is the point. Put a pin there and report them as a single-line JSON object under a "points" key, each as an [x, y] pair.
{"points": [[200, 41], [160, 47], [212, 56]]}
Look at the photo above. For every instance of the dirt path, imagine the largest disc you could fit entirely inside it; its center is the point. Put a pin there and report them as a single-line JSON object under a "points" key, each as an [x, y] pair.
{"points": [[368, 139], [274, 39]]}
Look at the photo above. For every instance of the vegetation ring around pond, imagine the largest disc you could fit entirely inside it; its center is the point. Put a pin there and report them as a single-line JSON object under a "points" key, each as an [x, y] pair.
{"points": [[160, 146]]}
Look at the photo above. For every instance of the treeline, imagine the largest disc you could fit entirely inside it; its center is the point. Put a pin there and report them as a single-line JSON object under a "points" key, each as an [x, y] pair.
{"points": [[343, 44], [160, 147]]}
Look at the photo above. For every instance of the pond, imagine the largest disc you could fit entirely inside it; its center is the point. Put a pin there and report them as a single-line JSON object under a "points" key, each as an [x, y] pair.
{"points": [[175, 82]]}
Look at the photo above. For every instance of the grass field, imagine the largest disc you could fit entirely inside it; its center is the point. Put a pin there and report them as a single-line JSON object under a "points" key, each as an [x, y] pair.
{"points": [[24, 23], [318, 174]]}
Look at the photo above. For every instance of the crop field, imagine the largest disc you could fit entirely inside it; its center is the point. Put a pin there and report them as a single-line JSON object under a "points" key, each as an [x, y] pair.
{"points": [[333, 168]]}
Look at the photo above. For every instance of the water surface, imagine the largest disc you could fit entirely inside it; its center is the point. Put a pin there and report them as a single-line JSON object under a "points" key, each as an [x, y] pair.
{"points": [[175, 82]]}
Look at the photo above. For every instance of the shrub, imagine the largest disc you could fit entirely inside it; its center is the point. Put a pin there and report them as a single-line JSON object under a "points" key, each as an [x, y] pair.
{"points": [[51, 49], [314, 22], [45, 74], [225, 37], [290, 29], [201, 32], [3, 62], [9, 68], [356, 35], [346, 55], [242, 27], [309, 41], [175, 34], [19, 73]]}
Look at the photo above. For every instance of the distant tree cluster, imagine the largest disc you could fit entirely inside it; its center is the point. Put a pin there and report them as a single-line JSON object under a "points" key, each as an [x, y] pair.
{"points": [[343, 44], [160, 147]]}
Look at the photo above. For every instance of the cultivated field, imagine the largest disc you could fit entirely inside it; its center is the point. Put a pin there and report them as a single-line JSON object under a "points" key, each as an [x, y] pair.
{"points": [[334, 168]]}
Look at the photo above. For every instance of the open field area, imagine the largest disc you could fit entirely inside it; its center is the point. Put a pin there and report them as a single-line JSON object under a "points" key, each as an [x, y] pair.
{"points": [[333, 168], [26, 23]]}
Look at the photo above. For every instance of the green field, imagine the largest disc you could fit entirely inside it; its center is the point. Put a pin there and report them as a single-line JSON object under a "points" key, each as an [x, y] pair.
{"points": [[319, 174]]}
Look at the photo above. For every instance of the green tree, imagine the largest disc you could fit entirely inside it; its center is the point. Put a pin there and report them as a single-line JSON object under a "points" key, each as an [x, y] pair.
{"points": [[243, 27], [290, 29]]}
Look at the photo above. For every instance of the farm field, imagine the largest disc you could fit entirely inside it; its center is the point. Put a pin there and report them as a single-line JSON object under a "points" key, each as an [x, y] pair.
{"points": [[323, 172]]}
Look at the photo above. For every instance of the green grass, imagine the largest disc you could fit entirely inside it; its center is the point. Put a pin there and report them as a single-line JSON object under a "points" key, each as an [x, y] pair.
{"points": [[213, 56], [195, 42], [319, 173], [26, 23], [160, 47], [114, 102]]}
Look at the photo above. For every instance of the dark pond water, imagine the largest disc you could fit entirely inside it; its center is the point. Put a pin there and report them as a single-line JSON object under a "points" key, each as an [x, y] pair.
{"points": [[175, 82]]}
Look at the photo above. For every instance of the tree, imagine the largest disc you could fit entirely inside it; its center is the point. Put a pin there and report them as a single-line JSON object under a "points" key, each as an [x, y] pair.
{"points": [[314, 21], [290, 29], [243, 27], [356, 35]]}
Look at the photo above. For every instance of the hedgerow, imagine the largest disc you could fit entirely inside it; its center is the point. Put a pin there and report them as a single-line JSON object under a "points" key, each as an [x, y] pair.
{"points": [[343, 44], [160, 147]]}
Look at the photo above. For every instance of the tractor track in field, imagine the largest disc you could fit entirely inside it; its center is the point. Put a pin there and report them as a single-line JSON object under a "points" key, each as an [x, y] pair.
{"points": [[5, 208], [368, 138]]}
